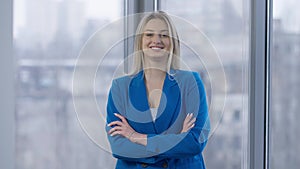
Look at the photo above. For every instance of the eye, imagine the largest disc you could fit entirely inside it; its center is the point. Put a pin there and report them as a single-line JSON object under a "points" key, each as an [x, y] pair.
{"points": [[164, 35], [148, 34]]}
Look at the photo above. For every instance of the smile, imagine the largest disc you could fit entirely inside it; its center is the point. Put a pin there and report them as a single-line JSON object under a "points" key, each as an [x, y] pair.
{"points": [[156, 47]]}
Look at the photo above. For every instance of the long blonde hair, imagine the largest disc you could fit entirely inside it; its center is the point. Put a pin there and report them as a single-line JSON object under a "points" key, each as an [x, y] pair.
{"points": [[174, 55]]}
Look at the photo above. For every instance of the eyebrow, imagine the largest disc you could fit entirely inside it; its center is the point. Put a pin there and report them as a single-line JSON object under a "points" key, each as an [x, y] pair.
{"points": [[150, 30]]}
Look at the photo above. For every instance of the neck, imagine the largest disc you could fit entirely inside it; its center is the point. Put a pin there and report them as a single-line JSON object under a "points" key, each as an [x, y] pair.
{"points": [[154, 74], [155, 65]]}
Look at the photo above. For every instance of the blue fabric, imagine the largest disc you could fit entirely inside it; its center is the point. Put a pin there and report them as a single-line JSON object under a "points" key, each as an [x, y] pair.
{"points": [[183, 93]]}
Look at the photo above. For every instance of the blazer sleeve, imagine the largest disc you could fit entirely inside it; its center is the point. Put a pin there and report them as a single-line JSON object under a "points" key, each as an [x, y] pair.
{"points": [[190, 143], [121, 147]]}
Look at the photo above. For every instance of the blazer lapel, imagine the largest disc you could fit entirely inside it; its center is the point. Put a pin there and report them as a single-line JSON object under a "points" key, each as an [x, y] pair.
{"points": [[137, 92], [169, 105], [139, 108], [138, 111]]}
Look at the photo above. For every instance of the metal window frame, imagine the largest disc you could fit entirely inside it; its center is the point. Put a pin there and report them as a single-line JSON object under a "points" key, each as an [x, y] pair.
{"points": [[259, 85], [7, 97]]}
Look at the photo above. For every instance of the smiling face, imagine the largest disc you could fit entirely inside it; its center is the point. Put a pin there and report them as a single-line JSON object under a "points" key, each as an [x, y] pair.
{"points": [[156, 44], [155, 40]]}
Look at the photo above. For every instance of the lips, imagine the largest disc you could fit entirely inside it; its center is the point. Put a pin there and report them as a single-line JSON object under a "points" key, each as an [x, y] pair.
{"points": [[156, 47]]}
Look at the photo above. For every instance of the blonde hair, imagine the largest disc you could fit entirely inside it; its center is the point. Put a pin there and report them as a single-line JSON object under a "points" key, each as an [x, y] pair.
{"points": [[138, 55]]}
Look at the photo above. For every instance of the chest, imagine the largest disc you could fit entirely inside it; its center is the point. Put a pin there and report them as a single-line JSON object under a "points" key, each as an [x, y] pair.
{"points": [[154, 92], [168, 104]]}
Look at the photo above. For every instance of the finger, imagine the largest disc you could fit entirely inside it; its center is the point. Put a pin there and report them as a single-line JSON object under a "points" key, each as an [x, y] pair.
{"points": [[190, 127], [190, 124], [119, 123], [116, 133], [121, 117], [191, 115], [111, 131], [188, 117], [118, 115], [193, 120], [117, 128]]}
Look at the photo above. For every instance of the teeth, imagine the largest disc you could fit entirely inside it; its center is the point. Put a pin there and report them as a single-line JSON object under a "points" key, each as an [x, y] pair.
{"points": [[155, 48]]}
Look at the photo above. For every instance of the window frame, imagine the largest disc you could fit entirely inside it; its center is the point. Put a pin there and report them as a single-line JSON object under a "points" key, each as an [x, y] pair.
{"points": [[259, 84], [7, 97]]}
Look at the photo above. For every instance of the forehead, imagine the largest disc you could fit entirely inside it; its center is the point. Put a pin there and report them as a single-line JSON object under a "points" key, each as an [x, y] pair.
{"points": [[156, 25]]}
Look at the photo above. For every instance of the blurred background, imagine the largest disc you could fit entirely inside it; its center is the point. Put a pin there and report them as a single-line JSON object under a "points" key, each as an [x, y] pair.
{"points": [[49, 34]]}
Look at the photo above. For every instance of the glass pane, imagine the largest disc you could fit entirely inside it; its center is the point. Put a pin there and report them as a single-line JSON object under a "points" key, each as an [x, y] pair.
{"points": [[285, 92], [48, 37], [225, 24]]}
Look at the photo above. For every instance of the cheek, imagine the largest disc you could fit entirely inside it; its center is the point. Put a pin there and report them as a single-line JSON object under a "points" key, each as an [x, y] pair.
{"points": [[168, 43], [144, 42]]}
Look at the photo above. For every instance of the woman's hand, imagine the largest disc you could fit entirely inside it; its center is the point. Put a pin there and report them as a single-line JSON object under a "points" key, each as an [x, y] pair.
{"points": [[189, 122], [124, 129], [120, 127]]}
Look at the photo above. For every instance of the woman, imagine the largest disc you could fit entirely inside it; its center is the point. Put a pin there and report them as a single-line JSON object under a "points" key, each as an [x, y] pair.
{"points": [[157, 116]]}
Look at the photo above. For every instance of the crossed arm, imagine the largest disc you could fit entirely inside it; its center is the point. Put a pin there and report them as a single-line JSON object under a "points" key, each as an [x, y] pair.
{"points": [[122, 128]]}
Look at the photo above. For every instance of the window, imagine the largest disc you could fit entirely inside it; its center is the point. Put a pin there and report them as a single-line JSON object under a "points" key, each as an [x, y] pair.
{"points": [[285, 93], [48, 37], [226, 25]]}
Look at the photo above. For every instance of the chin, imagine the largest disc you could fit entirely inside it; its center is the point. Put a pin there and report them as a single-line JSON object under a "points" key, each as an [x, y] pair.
{"points": [[159, 56], [153, 54]]}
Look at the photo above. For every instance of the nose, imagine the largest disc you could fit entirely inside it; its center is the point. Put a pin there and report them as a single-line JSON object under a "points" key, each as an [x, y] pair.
{"points": [[156, 38]]}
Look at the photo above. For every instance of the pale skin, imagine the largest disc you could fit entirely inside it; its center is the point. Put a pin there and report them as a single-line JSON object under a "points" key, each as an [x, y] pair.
{"points": [[156, 43]]}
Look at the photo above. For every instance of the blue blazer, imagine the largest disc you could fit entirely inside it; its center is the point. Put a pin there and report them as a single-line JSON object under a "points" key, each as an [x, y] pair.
{"points": [[183, 92]]}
